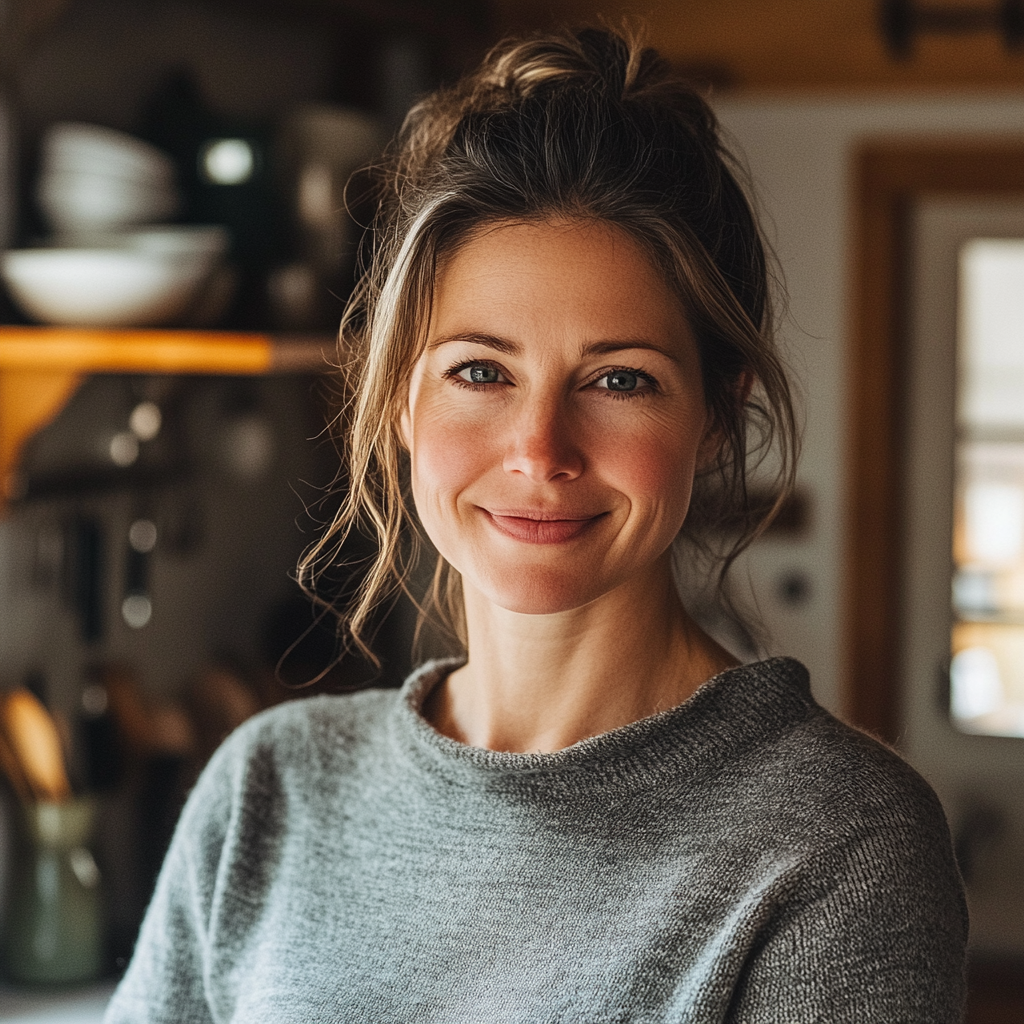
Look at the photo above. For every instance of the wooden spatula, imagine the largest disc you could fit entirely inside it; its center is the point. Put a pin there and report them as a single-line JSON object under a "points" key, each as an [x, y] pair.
{"points": [[35, 743]]}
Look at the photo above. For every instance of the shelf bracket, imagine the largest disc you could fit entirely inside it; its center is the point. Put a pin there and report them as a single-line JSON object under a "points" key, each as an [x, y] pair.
{"points": [[29, 400], [42, 367]]}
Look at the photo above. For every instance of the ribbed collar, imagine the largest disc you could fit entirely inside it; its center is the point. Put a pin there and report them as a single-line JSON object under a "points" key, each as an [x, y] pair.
{"points": [[731, 712]]}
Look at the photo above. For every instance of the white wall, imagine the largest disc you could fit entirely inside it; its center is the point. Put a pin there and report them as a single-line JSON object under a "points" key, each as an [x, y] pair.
{"points": [[801, 152]]}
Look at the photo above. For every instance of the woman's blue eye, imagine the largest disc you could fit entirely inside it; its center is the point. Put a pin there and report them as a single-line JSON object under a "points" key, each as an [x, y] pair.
{"points": [[622, 380], [482, 374], [475, 374]]}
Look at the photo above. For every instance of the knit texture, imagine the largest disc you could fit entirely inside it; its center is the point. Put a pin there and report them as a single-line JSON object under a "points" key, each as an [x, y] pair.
{"points": [[744, 857]]}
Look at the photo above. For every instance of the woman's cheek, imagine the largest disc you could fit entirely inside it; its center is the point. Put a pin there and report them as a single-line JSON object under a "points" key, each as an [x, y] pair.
{"points": [[651, 460], [448, 454]]}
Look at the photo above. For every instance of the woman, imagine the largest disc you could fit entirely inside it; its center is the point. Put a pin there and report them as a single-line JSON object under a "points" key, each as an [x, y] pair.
{"points": [[596, 814]]}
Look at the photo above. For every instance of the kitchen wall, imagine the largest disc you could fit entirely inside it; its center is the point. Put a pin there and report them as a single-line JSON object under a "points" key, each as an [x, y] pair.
{"points": [[800, 150], [240, 460]]}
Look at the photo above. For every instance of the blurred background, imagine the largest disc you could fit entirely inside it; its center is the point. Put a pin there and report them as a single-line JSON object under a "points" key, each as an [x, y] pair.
{"points": [[176, 254]]}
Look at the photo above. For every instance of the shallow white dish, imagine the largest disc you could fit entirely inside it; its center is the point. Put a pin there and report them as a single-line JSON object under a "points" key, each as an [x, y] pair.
{"points": [[103, 287]]}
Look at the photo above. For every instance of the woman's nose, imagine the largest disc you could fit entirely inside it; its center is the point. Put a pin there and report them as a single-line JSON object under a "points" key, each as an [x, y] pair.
{"points": [[543, 445]]}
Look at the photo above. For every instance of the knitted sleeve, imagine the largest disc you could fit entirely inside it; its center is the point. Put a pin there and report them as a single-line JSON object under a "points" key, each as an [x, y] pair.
{"points": [[876, 931]]}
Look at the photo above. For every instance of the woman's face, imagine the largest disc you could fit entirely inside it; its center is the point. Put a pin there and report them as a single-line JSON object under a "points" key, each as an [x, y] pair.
{"points": [[556, 416]]}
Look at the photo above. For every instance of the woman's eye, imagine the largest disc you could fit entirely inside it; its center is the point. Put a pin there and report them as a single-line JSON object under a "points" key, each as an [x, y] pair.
{"points": [[477, 373], [624, 381]]}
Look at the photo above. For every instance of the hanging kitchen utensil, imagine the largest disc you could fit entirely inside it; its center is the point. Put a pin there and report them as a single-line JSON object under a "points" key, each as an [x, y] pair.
{"points": [[35, 742], [87, 581]]}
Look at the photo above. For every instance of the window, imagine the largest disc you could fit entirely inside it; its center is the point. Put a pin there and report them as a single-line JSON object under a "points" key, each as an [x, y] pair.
{"points": [[987, 666]]}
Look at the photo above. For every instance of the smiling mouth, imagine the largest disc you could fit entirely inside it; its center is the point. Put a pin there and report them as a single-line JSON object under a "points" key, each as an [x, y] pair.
{"points": [[538, 528]]}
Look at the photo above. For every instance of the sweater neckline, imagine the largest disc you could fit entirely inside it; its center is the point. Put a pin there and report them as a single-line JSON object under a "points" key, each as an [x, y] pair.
{"points": [[738, 708]]}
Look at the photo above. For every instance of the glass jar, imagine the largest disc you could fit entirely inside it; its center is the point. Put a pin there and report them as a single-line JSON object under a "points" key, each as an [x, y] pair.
{"points": [[53, 932]]}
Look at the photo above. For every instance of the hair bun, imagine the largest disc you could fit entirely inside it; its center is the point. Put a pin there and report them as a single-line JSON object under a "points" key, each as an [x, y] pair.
{"points": [[591, 63], [592, 59]]}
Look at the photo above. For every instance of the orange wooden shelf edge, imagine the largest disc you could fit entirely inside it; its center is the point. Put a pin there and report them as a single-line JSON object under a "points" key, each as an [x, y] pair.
{"points": [[42, 367]]}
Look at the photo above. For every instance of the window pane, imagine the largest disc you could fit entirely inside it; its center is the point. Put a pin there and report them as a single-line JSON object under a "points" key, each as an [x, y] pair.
{"points": [[991, 335], [987, 668]]}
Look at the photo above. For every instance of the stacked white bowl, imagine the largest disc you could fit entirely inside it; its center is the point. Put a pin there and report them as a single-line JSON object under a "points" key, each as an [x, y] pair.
{"points": [[98, 179], [110, 262]]}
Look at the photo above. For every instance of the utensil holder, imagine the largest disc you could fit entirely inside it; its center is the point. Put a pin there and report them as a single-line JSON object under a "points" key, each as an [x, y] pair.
{"points": [[53, 933]]}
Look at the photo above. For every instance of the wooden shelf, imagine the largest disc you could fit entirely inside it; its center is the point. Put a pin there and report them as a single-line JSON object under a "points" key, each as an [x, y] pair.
{"points": [[92, 350], [42, 367]]}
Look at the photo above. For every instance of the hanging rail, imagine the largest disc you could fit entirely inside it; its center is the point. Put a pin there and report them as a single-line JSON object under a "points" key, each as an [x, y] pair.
{"points": [[902, 20]]}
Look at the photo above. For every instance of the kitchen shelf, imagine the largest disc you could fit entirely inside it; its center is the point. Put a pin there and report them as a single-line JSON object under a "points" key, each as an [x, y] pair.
{"points": [[42, 367]]}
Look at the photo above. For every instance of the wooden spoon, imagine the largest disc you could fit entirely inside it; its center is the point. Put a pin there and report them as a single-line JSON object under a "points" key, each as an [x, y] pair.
{"points": [[35, 743]]}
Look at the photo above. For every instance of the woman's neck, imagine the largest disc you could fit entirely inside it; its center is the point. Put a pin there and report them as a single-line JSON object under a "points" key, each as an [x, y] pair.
{"points": [[536, 683]]}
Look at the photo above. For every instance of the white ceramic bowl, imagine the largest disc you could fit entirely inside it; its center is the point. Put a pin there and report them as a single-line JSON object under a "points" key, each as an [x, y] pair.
{"points": [[82, 202], [103, 287], [87, 148]]}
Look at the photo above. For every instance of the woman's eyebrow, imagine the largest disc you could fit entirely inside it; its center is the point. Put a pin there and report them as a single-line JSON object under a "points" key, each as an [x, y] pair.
{"points": [[600, 348], [509, 348], [596, 348]]}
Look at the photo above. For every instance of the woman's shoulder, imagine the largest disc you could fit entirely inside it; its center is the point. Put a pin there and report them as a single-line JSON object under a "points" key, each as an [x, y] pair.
{"points": [[315, 719], [854, 846], [857, 830], [823, 777], [295, 744]]}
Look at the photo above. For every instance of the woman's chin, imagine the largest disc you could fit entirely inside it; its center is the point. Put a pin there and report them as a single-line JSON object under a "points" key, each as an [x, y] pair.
{"points": [[538, 592]]}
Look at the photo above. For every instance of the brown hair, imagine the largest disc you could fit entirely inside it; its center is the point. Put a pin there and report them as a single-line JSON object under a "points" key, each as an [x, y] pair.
{"points": [[575, 125]]}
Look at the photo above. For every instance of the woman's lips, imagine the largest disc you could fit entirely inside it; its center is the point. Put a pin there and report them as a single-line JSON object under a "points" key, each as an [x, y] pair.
{"points": [[538, 528]]}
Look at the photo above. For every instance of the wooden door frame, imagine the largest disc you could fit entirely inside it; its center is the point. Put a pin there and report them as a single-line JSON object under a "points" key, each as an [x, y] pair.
{"points": [[889, 178]]}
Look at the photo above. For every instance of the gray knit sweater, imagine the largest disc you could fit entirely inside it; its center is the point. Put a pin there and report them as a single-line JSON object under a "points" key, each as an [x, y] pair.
{"points": [[742, 857]]}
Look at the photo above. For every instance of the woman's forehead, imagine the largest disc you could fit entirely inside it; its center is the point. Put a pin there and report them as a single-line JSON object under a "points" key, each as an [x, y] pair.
{"points": [[570, 275]]}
